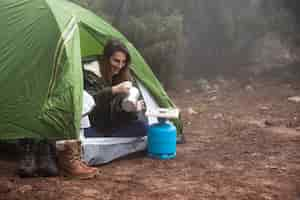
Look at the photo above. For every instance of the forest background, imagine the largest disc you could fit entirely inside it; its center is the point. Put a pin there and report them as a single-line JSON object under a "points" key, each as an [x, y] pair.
{"points": [[197, 39]]}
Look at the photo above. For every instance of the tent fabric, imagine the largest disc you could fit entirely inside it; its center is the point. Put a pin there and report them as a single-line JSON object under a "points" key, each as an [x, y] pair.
{"points": [[41, 46]]}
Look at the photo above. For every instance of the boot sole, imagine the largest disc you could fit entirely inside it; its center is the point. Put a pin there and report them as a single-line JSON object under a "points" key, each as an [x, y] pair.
{"points": [[66, 174], [27, 175], [45, 173]]}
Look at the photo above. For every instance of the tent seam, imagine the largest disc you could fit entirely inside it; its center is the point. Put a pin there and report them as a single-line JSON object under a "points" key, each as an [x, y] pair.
{"points": [[64, 39]]}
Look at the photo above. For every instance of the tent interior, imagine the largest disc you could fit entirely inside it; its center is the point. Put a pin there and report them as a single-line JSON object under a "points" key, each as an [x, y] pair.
{"points": [[100, 150], [90, 42], [91, 45]]}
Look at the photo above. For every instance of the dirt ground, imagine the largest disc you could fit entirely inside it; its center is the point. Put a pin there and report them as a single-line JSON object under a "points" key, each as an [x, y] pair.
{"points": [[242, 142]]}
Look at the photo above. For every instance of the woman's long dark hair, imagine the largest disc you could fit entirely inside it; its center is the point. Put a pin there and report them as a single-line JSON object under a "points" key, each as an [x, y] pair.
{"points": [[110, 48]]}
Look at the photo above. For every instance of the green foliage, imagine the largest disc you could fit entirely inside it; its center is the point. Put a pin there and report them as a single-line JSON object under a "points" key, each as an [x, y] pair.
{"points": [[214, 31], [248, 24], [154, 27], [226, 32], [158, 38]]}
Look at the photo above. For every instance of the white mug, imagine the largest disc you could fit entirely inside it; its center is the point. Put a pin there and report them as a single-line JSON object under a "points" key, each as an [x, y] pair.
{"points": [[130, 102]]}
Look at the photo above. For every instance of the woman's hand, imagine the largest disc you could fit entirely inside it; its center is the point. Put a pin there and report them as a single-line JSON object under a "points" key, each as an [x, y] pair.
{"points": [[122, 87], [140, 105]]}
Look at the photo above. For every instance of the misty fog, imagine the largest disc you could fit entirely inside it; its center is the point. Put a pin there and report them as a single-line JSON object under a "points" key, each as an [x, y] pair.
{"points": [[204, 38]]}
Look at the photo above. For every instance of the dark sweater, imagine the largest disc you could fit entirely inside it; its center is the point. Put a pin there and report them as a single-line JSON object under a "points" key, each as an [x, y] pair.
{"points": [[108, 112]]}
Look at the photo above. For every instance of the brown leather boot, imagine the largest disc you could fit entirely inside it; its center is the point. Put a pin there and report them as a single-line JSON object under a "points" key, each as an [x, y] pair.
{"points": [[69, 161]]}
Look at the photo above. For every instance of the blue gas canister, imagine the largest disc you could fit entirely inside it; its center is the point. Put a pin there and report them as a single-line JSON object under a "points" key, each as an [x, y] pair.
{"points": [[162, 140], [162, 135]]}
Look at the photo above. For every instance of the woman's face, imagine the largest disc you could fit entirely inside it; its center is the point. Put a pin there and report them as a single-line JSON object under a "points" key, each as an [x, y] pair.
{"points": [[117, 61]]}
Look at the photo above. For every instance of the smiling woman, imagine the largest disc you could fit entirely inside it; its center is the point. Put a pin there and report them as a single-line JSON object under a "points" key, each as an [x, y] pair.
{"points": [[109, 117], [117, 61]]}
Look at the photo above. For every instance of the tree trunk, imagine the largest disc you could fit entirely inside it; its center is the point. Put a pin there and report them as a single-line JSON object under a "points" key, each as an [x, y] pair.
{"points": [[121, 13]]}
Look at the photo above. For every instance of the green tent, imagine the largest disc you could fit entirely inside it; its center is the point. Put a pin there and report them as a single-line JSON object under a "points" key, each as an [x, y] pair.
{"points": [[42, 43]]}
